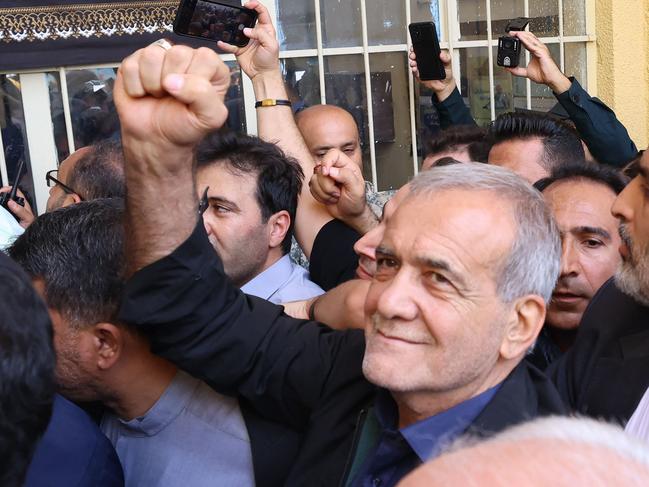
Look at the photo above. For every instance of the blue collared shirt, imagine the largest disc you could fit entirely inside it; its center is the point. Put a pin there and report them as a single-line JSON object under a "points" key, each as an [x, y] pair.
{"points": [[282, 282], [399, 451], [192, 436]]}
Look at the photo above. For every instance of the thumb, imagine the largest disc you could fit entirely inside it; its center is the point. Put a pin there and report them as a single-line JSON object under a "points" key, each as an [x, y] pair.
{"points": [[519, 71], [204, 100]]}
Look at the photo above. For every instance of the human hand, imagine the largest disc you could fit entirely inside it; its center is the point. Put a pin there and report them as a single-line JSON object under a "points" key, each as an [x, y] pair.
{"points": [[25, 214], [443, 87], [541, 68], [261, 54], [338, 183], [168, 99]]}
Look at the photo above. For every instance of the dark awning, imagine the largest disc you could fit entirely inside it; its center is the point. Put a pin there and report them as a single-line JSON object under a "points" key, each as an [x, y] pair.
{"points": [[37, 34]]}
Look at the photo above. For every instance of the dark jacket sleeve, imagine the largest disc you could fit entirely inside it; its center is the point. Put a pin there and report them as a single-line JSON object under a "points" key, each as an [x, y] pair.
{"points": [[453, 111], [195, 317], [606, 138], [333, 260]]}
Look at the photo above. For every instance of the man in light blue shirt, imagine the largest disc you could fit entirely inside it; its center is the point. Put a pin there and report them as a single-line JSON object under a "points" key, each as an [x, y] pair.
{"points": [[249, 190], [168, 428]]}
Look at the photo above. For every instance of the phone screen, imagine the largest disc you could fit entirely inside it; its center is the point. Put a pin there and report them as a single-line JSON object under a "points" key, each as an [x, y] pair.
{"points": [[218, 22]]}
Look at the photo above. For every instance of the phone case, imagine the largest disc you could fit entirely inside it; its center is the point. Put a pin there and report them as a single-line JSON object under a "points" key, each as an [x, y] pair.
{"points": [[426, 46]]}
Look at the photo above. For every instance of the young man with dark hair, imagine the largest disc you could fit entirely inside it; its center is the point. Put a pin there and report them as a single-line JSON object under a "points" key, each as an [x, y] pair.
{"points": [[26, 372], [532, 145], [252, 193], [580, 197], [466, 143]]}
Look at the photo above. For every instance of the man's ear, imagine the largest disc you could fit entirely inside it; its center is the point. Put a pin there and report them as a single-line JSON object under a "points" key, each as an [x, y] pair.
{"points": [[71, 199], [526, 320], [278, 225], [108, 344]]}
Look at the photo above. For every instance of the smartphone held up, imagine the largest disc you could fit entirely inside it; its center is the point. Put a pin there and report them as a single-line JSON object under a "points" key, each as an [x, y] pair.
{"points": [[426, 46], [214, 21]]}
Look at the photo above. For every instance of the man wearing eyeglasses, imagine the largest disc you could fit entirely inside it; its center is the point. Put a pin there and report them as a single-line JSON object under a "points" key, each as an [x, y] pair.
{"points": [[92, 172]]}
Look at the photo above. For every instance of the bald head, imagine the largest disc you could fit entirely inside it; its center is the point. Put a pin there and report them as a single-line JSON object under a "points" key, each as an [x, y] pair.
{"points": [[326, 127], [563, 452]]}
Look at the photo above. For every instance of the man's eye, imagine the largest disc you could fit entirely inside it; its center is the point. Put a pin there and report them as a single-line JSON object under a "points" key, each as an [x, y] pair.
{"points": [[437, 278], [220, 209], [349, 150], [593, 243], [386, 263]]}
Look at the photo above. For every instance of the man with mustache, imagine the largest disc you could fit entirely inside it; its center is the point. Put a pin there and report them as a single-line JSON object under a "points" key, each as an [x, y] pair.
{"points": [[448, 324], [605, 374], [580, 197]]}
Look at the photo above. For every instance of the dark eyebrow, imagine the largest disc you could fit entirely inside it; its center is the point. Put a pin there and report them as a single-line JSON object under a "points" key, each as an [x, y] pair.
{"points": [[592, 230], [225, 201]]}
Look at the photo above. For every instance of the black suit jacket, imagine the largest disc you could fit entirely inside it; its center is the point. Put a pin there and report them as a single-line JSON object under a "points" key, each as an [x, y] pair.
{"points": [[304, 375], [606, 372]]}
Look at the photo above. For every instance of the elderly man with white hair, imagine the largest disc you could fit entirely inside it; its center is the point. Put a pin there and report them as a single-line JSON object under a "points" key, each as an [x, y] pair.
{"points": [[464, 272], [562, 452]]}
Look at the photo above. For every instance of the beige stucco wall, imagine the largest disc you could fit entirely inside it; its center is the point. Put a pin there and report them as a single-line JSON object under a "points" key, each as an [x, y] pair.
{"points": [[623, 63]]}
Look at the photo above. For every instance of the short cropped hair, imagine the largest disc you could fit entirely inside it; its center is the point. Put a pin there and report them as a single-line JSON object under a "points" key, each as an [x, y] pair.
{"points": [[279, 177], [78, 252], [26, 372], [457, 137], [100, 172], [533, 263], [561, 143], [598, 173]]}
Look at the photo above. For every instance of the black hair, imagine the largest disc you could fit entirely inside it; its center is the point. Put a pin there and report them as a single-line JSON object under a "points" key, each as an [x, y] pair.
{"points": [[27, 361], [279, 177], [78, 252], [100, 172], [459, 136], [561, 143], [598, 173]]}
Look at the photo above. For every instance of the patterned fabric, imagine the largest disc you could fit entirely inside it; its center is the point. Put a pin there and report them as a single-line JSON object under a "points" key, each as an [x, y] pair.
{"points": [[375, 199]]}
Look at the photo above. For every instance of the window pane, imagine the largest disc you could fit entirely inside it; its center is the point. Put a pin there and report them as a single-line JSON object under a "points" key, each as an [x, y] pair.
{"points": [[296, 24], [302, 81], [502, 11], [424, 11], [234, 99], [574, 17], [58, 118], [92, 110], [341, 23], [391, 110], [427, 118], [509, 91], [575, 62], [472, 16], [14, 136], [474, 81], [542, 98], [386, 22], [345, 87], [544, 16]]}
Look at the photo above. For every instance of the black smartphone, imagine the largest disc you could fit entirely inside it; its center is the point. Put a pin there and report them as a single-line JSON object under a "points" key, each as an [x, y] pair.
{"points": [[426, 47], [214, 21]]}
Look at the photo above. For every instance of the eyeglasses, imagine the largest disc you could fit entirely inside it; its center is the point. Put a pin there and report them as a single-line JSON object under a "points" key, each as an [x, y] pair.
{"points": [[52, 181]]}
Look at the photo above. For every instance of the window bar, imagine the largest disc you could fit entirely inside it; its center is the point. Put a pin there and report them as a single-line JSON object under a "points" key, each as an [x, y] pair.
{"points": [[4, 175], [452, 24], [411, 94], [66, 110], [368, 90], [490, 55], [528, 83], [562, 57], [320, 47]]}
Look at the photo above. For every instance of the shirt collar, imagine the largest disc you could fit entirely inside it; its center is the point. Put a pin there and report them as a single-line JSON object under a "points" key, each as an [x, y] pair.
{"points": [[430, 436], [267, 283], [167, 407]]}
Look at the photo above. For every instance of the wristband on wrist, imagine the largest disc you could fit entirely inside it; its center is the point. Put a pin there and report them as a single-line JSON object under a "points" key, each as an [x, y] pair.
{"points": [[271, 102], [311, 312]]}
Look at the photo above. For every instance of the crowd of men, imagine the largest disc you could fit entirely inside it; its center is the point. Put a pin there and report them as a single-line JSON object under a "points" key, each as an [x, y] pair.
{"points": [[157, 329]]}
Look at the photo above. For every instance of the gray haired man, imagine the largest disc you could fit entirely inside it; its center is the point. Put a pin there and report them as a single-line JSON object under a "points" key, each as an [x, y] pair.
{"points": [[465, 268]]}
